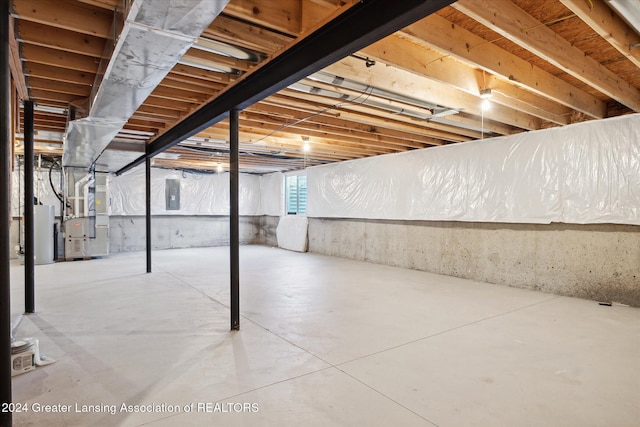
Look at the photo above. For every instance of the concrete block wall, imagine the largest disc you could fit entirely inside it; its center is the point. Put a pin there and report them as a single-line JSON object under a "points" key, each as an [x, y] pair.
{"points": [[599, 262]]}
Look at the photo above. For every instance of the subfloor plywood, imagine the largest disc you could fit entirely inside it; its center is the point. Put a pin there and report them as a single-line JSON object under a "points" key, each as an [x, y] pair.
{"points": [[323, 342]]}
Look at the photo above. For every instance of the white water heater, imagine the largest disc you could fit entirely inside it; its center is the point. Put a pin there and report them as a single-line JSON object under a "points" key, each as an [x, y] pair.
{"points": [[44, 216]]}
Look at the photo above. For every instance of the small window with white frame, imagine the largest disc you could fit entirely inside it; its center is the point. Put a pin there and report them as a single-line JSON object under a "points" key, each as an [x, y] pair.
{"points": [[296, 194]]}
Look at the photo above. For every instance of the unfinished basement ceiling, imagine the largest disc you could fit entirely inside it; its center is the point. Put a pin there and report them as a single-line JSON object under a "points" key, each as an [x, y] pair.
{"points": [[547, 63]]}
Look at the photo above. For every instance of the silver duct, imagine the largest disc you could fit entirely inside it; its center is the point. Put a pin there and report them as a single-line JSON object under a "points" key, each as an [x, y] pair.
{"points": [[156, 34], [629, 11]]}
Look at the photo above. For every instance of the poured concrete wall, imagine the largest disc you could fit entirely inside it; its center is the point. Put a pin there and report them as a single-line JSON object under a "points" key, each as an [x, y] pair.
{"points": [[600, 262], [268, 230], [127, 233]]}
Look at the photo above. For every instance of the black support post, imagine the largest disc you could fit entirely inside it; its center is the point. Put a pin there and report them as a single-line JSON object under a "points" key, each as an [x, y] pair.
{"points": [[5, 215], [29, 222], [147, 168], [234, 220]]}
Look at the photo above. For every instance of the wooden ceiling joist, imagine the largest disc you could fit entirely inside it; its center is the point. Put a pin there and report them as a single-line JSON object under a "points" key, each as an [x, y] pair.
{"points": [[56, 38], [283, 15], [363, 116], [242, 34], [58, 74], [65, 15], [454, 40], [409, 84], [608, 25], [418, 58], [15, 64], [509, 20], [334, 134], [46, 95], [293, 115], [60, 87], [208, 88], [60, 59]]}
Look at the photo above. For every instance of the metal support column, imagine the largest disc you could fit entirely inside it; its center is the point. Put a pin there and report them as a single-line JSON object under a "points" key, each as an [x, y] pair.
{"points": [[234, 220], [29, 222], [5, 215], [147, 168]]}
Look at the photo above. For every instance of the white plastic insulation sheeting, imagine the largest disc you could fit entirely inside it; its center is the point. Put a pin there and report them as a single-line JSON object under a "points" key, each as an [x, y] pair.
{"points": [[272, 194], [292, 233], [41, 189], [583, 173], [200, 193]]}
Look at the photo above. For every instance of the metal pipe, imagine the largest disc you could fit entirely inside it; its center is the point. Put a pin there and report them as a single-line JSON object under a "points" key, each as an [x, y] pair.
{"points": [[147, 167], [76, 194], [234, 239], [5, 216], [85, 195], [29, 223], [65, 192], [20, 250], [39, 176]]}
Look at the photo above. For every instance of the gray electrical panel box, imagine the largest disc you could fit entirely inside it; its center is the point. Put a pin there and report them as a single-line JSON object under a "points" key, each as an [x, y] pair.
{"points": [[172, 194]]}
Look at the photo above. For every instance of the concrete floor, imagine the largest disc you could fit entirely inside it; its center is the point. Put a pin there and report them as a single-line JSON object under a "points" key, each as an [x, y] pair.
{"points": [[323, 342]]}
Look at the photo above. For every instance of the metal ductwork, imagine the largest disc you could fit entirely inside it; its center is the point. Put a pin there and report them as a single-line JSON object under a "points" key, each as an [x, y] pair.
{"points": [[629, 11], [156, 34]]}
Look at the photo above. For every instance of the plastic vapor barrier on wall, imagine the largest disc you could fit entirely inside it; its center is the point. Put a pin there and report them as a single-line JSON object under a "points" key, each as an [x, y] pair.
{"points": [[200, 193], [582, 173], [41, 190], [272, 194]]}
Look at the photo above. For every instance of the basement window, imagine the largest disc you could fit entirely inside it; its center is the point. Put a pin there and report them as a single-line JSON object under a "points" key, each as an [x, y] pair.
{"points": [[296, 194]]}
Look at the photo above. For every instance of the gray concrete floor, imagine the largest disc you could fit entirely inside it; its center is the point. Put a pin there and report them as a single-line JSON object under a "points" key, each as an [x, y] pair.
{"points": [[323, 342]]}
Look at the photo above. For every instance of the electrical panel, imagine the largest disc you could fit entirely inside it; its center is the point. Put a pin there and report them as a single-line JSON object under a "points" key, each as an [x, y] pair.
{"points": [[172, 194]]}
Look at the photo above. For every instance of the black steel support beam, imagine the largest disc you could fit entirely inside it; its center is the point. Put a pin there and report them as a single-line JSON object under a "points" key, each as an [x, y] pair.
{"points": [[5, 215], [147, 168], [29, 220], [234, 217], [359, 26]]}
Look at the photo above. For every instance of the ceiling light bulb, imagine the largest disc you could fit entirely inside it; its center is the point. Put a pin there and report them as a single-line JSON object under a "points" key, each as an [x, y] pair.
{"points": [[486, 104], [486, 93], [220, 169], [306, 147]]}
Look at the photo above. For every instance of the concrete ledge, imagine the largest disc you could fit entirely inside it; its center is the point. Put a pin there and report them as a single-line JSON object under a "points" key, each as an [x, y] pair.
{"points": [[599, 262]]}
